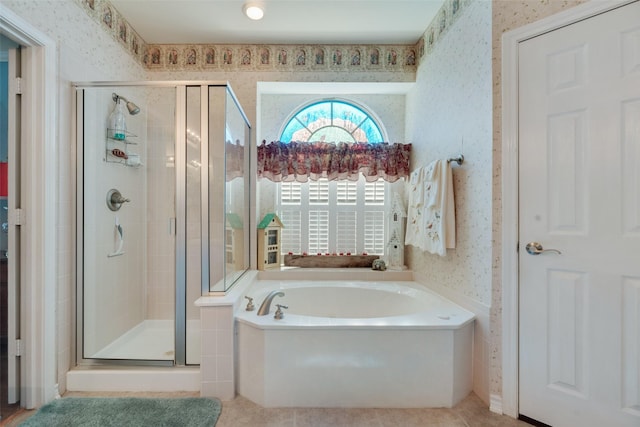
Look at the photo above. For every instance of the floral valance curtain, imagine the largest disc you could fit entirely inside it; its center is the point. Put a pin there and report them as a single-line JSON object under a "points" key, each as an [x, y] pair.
{"points": [[301, 161]]}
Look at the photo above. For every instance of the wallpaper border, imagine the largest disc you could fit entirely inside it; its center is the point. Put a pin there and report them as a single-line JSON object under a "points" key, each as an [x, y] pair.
{"points": [[281, 57]]}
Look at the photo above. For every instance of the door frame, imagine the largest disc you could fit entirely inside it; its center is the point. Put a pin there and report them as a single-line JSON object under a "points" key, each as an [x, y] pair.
{"points": [[39, 146], [509, 272]]}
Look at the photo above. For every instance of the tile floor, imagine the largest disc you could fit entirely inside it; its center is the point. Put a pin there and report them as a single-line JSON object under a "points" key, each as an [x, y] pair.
{"points": [[241, 412]]}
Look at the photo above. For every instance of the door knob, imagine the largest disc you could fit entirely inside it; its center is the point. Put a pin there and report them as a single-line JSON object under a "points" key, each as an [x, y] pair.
{"points": [[535, 248]]}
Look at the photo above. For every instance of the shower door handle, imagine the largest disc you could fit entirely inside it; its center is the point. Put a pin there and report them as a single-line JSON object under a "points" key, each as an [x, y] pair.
{"points": [[535, 248]]}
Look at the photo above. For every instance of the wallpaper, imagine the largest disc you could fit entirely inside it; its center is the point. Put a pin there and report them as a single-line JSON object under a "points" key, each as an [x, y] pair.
{"points": [[449, 113], [506, 15]]}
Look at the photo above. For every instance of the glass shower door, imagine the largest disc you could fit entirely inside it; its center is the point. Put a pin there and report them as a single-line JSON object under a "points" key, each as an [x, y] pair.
{"points": [[128, 237], [162, 215]]}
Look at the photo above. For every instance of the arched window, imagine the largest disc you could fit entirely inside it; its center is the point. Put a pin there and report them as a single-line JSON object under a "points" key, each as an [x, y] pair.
{"points": [[339, 216], [332, 121]]}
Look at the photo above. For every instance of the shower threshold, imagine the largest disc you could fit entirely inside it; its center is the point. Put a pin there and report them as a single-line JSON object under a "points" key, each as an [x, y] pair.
{"points": [[150, 340]]}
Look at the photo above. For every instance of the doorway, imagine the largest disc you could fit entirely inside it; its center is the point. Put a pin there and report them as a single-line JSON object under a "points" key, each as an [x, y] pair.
{"points": [[570, 217], [9, 399], [39, 194]]}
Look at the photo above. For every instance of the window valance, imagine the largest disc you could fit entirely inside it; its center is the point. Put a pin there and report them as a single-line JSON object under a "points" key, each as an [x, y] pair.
{"points": [[303, 161], [234, 160]]}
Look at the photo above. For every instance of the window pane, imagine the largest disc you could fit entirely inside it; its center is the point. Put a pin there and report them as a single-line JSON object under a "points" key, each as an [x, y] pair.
{"points": [[374, 193], [290, 193], [347, 116], [331, 134], [344, 202], [291, 241], [346, 232], [294, 127], [319, 192], [318, 232], [374, 232], [371, 130], [316, 113], [347, 192]]}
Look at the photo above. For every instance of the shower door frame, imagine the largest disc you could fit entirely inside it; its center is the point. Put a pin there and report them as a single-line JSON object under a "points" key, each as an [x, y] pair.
{"points": [[180, 209]]}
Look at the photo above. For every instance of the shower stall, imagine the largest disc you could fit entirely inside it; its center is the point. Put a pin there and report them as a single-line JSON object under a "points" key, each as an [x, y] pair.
{"points": [[162, 215]]}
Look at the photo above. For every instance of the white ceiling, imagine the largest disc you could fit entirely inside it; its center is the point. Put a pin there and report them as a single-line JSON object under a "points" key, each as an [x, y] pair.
{"points": [[285, 21]]}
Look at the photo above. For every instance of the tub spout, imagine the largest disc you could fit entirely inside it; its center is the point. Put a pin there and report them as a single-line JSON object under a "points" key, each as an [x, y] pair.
{"points": [[266, 304]]}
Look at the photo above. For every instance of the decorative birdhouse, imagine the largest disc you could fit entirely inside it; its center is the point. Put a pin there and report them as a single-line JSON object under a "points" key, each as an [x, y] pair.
{"points": [[234, 241], [269, 242], [395, 245]]}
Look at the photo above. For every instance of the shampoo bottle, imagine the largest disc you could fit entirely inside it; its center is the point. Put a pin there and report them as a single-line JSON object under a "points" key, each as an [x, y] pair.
{"points": [[117, 123]]}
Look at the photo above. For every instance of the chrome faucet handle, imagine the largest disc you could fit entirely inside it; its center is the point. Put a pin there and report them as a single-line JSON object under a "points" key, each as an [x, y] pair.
{"points": [[250, 306], [279, 313]]}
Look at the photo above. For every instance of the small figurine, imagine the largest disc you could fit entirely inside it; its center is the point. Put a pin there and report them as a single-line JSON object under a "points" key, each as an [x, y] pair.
{"points": [[378, 265]]}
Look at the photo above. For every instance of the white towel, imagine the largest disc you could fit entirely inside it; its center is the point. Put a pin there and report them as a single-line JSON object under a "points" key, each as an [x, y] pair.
{"points": [[431, 223]]}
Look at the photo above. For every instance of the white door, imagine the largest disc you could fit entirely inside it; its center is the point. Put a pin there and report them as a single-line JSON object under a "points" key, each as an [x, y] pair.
{"points": [[579, 193]]}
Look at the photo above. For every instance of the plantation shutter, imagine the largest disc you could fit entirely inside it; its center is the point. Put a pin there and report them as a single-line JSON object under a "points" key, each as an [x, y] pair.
{"points": [[374, 232], [318, 231], [332, 217], [374, 193], [290, 193], [347, 192], [374, 223], [290, 215], [292, 232], [346, 232]]}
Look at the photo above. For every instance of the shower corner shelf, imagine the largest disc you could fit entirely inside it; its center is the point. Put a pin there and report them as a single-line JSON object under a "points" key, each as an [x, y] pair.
{"points": [[114, 144]]}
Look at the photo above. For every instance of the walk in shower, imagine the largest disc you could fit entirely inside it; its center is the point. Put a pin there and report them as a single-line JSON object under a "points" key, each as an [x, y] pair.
{"points": [[162, 215]]}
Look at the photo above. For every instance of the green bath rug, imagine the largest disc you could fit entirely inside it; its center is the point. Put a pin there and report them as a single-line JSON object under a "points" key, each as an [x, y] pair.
{"points": [[127, 411]]}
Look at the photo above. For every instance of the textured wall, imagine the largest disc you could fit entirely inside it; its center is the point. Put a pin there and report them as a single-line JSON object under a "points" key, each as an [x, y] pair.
{"points": [[85, 53], [449, 113], [506, 15]]}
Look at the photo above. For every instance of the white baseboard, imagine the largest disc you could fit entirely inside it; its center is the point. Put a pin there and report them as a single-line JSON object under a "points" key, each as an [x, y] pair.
{"points": [[56, 392], [495, 404]]}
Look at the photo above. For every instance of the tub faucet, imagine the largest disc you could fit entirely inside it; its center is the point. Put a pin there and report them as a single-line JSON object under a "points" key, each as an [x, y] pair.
{"points": [[266, 304]]}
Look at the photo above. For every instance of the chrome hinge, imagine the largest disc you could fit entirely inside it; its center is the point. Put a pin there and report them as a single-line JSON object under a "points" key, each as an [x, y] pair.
{"points": [[16, 217], [18, 348], [18, 85]]}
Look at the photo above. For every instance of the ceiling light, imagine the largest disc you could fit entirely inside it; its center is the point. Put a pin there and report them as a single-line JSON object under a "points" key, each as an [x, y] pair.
{"points": [[253, 10]]}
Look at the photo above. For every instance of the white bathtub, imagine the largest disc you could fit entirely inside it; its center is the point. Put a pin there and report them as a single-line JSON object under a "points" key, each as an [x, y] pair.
{"points": [[354, 344]]}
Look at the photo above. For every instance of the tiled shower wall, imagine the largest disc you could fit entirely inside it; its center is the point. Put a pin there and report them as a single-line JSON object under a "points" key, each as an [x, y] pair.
{"points": [[159, 165], [114, 286]]}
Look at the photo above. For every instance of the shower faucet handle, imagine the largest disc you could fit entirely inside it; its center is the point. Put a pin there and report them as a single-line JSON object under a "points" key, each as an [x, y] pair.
{"points": [[279, 313], [250, 306], [115, 199]]}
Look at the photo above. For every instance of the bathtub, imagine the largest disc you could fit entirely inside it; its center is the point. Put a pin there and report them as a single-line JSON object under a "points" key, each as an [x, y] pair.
{"points": [[354, 344]]}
